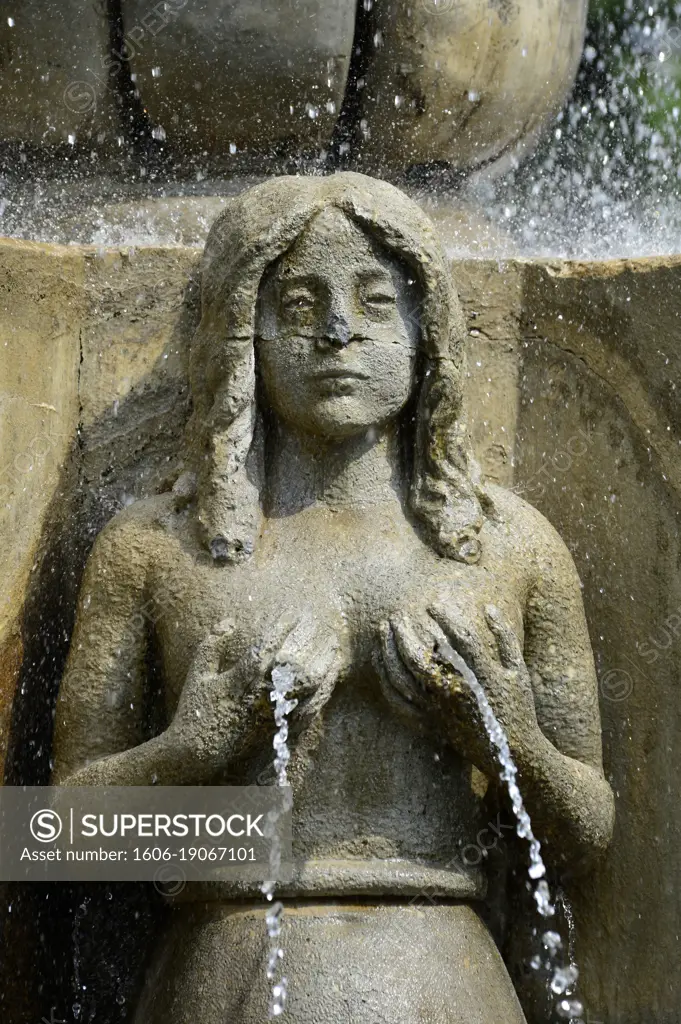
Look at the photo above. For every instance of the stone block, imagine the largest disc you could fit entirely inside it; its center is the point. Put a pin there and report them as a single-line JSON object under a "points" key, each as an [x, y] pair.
{"points": [[469, 83], [230, 76], [41, 310], [598, 453], [56, 76]]}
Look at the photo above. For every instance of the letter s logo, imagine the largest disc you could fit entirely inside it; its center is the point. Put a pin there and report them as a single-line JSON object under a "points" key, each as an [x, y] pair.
{"points": [[46, 826]]}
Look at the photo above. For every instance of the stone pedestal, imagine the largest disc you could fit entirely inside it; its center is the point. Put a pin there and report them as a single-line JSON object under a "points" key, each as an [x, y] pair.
{"points": [[393, 964]]}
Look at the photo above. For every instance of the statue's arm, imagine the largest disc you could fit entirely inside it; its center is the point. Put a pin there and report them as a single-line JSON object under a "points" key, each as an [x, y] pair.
{"points": [[560, 760], [100, 736]]}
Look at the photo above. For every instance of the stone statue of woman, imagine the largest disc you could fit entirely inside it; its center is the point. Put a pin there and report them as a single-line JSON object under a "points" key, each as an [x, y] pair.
{"points": [[330, 517]]}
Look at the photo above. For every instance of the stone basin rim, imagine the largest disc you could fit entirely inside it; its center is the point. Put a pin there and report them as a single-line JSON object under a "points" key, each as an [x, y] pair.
{"points": [[555, 265]]}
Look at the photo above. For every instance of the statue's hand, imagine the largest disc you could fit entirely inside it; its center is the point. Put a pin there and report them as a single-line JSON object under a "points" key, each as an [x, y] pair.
{"points": [[225, 702], [224, 694], [414, 653], [313, 652]]}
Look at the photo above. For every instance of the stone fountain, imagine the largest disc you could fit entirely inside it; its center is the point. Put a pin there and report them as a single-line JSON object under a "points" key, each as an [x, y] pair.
{"points": [[322, 440]]}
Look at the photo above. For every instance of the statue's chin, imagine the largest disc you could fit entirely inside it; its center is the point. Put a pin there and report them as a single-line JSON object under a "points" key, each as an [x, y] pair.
{"points": [[339, 417]]}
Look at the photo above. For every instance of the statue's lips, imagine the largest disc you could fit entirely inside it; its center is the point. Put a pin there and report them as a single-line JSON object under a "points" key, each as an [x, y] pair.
{"points": [[340, 373]]}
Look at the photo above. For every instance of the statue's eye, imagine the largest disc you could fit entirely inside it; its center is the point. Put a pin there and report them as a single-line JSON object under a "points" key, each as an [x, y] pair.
{"points": [[380, 298], [377, 295], [298, 301]]}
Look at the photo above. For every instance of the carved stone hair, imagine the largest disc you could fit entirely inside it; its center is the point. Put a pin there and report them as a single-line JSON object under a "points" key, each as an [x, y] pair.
{"points": [[225, 433]]}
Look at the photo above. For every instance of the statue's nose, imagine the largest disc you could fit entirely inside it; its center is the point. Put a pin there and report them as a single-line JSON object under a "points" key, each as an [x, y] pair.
{"points": [[337, 331]]}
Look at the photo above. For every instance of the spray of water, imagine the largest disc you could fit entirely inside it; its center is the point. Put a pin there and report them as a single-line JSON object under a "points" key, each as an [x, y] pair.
{"points": [[562, 979], [78, 986], [568, 913], [605, 182], [283, 679]]}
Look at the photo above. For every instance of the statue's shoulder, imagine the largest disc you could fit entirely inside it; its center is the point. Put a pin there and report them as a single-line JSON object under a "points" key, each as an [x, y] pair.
{"points": [[527, 533], [137, 532]]}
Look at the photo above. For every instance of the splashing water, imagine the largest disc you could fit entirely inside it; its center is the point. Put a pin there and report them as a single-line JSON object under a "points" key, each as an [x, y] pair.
{"points": [[497, 736], [568, 913], [78, 987], [562, 979], [283, 678], [606, 180]]}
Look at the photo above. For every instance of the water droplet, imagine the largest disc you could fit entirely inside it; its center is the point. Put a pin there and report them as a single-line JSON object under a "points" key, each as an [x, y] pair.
{"points": [[564, 978], [568, 1009], [552, 941]]}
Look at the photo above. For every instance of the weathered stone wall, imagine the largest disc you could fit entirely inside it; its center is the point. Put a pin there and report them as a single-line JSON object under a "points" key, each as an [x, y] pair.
{"points": [[42, 308], [571, 398], [598, 451]]}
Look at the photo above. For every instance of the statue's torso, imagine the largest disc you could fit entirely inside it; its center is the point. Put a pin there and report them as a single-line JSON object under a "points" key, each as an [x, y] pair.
{"points": [[381, 803]]}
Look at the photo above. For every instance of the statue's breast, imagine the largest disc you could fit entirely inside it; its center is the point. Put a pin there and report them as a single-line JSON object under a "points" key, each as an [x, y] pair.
{"points": [[347, 581]]}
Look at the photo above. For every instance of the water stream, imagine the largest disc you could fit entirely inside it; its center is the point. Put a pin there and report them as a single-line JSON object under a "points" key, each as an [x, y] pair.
{"points": [[283, 679], [568, 913], [562, 978], [78, 987]]}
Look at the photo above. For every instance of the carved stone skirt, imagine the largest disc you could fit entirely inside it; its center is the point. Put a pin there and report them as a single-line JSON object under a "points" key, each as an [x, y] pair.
{"points": [[346, 963]]}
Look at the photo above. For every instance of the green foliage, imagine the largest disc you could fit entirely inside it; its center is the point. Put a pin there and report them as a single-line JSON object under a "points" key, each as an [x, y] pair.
{"points": [[620, 14], [636, 71]]}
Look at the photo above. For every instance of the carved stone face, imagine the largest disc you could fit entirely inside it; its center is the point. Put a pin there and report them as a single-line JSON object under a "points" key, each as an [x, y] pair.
{"points": [[336, 330]]}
